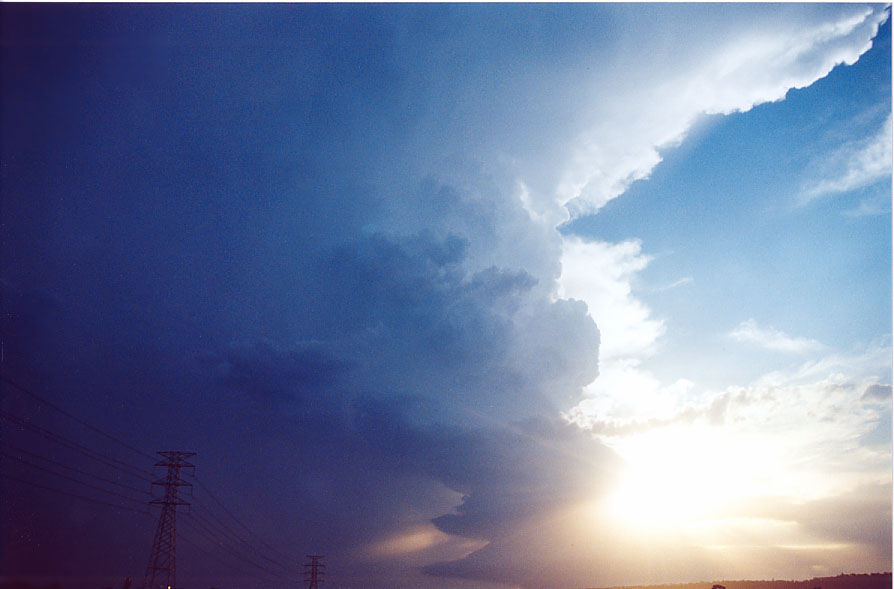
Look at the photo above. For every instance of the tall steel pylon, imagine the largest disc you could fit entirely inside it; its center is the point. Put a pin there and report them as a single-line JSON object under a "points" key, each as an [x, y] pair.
{"points": [[313, 573], [161, 572]]}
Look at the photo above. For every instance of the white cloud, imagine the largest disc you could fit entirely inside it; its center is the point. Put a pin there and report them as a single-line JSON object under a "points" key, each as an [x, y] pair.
{"points": [[601, 274], [856, 165], [772, 339], [813, 429], [873, 360]]}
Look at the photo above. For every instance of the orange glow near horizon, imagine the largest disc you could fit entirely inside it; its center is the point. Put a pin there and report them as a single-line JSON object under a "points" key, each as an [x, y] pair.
{"points": [[719, 500]]}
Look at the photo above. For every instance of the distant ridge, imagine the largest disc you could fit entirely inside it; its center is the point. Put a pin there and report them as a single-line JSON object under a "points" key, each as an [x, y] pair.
{"points": [[856, 581]]}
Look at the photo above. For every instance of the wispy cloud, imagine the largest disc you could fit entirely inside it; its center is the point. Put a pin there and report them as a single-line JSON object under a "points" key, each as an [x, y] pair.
{"points": [[855, 165], [772, 339], [674, 284], [878, 204]]}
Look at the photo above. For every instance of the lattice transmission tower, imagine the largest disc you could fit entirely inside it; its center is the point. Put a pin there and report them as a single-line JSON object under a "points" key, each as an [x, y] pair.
{"points": [[313, 571], [161, 572]]}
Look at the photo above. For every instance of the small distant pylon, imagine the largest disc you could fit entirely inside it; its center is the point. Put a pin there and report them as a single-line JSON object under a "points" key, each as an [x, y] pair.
{"points": [[161, 572], [313, 571]]}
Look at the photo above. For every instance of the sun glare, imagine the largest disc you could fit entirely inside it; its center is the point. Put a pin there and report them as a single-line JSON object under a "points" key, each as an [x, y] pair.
{"points": [[675, 479]]}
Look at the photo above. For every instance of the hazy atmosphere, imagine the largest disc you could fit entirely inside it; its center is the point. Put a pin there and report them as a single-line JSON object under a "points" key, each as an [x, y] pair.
{"points": [[461, 296]]}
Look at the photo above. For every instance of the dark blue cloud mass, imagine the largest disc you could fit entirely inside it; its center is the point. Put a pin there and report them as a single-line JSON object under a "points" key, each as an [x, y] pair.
{"points": [[221, 268]]}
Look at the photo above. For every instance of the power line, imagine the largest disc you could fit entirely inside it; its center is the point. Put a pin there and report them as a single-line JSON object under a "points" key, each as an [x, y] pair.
{"points": [[205, 512], [212, 554], [221, 560], [77, 419], [202, 518], [227, 530], [63, 441], [77, 470], [237, 520], [61, 492], [68, 478], [222, 543], [126, 469]]}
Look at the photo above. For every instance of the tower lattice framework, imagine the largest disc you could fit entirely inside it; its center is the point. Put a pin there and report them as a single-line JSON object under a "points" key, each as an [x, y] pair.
{"points": [[313, 571], [161, 572]]}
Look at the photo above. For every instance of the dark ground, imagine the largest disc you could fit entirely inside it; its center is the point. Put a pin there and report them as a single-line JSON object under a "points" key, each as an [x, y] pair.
{"points": [[863, 581]]}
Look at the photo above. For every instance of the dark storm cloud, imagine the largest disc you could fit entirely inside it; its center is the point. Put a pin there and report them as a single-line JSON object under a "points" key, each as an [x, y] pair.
{"points": [[423, 392], [414, 320], [225, 249], [271, 374], [420, 395], [365, 461]]}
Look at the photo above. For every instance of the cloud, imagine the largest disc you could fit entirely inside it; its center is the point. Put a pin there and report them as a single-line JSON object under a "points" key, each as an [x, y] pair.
{"points": [[680, 282], [771, 339], [601, 274], [488, 341], [870, 361], [879, 393], [375, 472], [872, 206], [855, 165], [745, 68]]}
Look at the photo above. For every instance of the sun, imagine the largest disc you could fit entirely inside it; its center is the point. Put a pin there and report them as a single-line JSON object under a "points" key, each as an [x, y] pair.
{"points": [[676, 478], [654, 495]]}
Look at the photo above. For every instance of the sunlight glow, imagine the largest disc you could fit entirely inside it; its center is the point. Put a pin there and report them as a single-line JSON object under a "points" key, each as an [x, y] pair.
{"points": [[676, 478], [419, 539]]}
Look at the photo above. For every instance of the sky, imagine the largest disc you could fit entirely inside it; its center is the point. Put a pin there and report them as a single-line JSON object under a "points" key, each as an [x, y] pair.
{"points": [[455, 295]]}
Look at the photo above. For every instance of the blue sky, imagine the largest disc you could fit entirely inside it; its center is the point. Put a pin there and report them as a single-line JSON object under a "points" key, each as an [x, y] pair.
{"points": [[475, 295]]}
